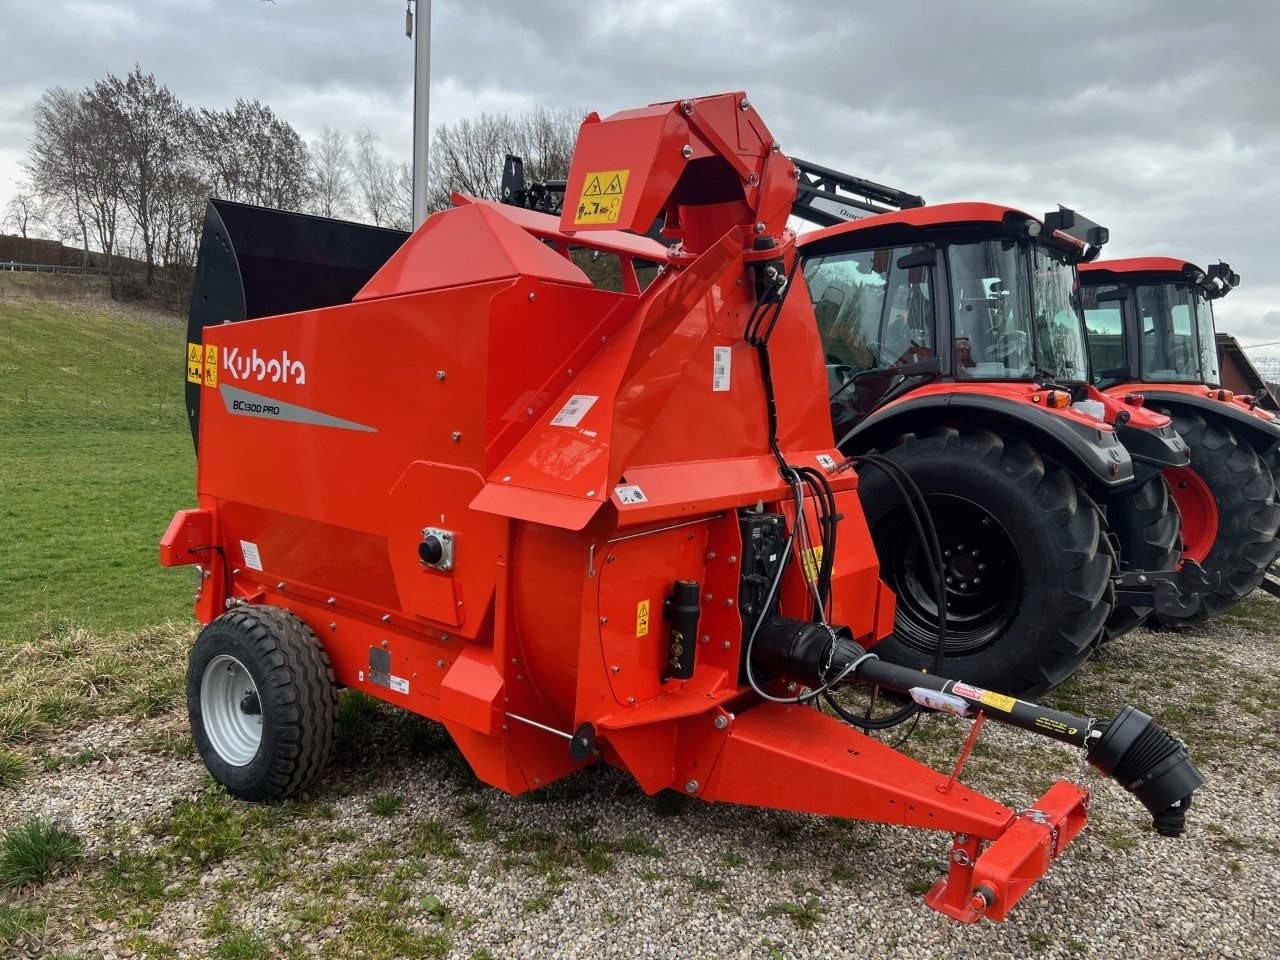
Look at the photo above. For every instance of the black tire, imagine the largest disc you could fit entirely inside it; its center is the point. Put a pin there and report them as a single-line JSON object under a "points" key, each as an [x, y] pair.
{"points": [[1048, 583], [1148, 528], [296, 696], [1244, 492]]}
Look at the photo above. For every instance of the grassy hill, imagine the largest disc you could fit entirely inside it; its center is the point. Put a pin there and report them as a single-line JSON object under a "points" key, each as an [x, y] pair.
{"points": [[95, 456]]}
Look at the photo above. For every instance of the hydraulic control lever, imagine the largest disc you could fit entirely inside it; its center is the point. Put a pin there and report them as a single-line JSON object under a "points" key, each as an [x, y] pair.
{"points": [[1130, 748]]}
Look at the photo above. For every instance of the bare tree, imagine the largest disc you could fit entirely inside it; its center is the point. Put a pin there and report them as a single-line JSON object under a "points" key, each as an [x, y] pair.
{"points": [[249, 154], [467, 157], [24, 212], [60, 158], [145, 122], [330, 174], [402, 196], [374, 178]]}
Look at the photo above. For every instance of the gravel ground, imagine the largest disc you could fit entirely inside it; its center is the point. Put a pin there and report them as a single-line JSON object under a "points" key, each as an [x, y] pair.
{"points": [[593, 868]]}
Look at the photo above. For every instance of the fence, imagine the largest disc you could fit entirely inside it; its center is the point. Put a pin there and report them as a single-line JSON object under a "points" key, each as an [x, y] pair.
{"points": [[49, 268]]}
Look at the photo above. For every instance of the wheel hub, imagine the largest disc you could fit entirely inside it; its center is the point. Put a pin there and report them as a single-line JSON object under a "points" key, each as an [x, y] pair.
{"points": [[231, 710], [981, 572]]}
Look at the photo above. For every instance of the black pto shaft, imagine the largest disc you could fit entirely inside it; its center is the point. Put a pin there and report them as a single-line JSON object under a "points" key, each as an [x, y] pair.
{"points": [[1130, 747]]}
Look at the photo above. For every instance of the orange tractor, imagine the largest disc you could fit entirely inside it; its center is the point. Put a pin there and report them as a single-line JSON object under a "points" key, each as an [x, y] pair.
{"points": [[1153, 346], [573, 524]]}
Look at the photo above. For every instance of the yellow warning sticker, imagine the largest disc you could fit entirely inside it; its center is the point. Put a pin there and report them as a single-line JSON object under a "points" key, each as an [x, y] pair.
{"points": [[195, 362], [642, 618], [812, 560], [998, 701], [211, 366], [601, 199]]}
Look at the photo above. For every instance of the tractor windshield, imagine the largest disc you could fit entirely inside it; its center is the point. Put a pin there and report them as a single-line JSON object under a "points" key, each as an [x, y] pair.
{"points": [[1016, 312], [1177, 334]]}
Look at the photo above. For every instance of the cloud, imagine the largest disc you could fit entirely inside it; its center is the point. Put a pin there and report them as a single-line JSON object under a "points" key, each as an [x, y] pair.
{"points": [[1159, 119]]}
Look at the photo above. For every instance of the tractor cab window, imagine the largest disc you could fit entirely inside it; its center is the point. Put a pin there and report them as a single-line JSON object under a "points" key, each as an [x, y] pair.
{"points": [[1059, 331], [1017, 310], [1104, 328], [872, 313], [1205, 332], [1170, 348], [991, 301]]}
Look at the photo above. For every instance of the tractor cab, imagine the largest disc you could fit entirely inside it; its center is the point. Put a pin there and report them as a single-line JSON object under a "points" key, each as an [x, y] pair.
{"points": [[1150, 319], [1152, 341], [963, 292]]}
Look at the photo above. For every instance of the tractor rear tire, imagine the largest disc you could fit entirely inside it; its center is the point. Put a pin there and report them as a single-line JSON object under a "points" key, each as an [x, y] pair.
{"points": [[1148, 528], [1244, 495], [263, 702], [1029, 588]]}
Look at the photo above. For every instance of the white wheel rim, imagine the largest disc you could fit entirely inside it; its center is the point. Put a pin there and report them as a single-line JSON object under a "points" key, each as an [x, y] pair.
{"points": [[231, 709]]}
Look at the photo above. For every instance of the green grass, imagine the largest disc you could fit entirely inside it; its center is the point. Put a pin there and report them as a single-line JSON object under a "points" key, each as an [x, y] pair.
{"points": [[95, 457], [13, 767], [34, 851], [385, 804]]}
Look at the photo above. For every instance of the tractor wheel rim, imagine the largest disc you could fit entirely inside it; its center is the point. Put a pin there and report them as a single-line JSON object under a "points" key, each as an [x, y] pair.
{"points": [[1199, 511], [232, 710], [981, 565]]}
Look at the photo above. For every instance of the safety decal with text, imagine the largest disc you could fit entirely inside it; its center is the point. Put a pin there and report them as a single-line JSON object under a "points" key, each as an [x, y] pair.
{"points": [[601, 199], [642, 618], [812, 560], [998, 701], [252, 558]]}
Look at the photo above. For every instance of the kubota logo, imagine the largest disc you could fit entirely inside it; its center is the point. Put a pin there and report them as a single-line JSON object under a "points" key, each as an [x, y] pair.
{"points": [[250, 366]]}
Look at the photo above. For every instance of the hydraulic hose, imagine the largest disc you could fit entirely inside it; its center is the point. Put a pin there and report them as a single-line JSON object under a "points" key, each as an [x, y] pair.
{"points": [[1130, 748]]}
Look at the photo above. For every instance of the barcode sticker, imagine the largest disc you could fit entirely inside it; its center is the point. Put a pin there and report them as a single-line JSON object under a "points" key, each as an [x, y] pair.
{"points": [[252, 559], [574, 410], [399, 684], [721, 369]]}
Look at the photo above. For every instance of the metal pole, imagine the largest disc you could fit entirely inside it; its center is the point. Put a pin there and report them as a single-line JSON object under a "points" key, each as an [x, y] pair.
{"points": [[421, 106]]}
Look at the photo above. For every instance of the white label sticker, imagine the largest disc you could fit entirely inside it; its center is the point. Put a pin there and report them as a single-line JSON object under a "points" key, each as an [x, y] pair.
{"points": [[826, 462], [252, 559], [721, 369], [399, 684], [574, 410], [631, 494]]}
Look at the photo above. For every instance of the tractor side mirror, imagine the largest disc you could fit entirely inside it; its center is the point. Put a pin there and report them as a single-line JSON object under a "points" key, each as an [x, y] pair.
{"points": [[924, 257]]}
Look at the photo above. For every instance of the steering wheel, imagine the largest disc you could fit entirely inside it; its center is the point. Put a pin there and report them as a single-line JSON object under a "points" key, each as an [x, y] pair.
{"points": [[1007, 344]]}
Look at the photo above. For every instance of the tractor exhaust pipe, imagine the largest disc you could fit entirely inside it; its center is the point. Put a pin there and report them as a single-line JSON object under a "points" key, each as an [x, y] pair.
{"points": [[1130, 748]]}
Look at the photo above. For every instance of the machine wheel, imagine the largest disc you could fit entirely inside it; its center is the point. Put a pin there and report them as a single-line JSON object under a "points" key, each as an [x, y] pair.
{"points": [[1148, 527], [263, 702], [1228, 502], [1028, 587]]}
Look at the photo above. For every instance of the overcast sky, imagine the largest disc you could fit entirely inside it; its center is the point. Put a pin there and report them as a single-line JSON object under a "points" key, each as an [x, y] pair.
{"points": [[1160, 120]]}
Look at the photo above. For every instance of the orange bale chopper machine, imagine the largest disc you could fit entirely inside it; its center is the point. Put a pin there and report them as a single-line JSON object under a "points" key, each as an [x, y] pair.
{"points": [[572, 523]]}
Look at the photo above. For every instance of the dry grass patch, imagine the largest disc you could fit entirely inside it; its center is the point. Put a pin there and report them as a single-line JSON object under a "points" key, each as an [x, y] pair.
{"points": [[66, 677]]}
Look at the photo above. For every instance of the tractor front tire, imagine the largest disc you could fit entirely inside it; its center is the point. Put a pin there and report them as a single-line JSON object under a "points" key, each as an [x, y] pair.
{"points": [[1028, 588], [263, 702], [1148, 528], [1242, 490]]}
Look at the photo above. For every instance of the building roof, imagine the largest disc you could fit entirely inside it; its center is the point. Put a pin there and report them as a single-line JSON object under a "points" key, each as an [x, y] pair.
{"points": [[1229, 349]]}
